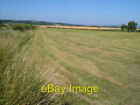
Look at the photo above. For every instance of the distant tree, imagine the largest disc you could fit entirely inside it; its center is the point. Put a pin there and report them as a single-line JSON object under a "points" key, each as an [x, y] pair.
{"points": [[132, 26], [124, 27], [1, 24]]}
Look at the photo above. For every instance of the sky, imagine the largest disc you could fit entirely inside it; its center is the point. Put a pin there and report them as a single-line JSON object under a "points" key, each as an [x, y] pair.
{"points": [[86, 12]]}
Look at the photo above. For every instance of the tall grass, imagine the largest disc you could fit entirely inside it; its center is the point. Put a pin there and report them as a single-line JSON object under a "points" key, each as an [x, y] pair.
{"points": [[19, 83]]}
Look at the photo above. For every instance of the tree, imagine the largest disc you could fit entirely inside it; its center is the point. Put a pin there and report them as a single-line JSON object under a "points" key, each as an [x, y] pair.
{"points": [[124, 27], [1, 22], [132, 26]]}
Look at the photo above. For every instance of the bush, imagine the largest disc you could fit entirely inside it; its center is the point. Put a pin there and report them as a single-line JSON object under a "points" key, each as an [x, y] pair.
{"points": [[5, 26], [22, 27], [124, 27], [2, 25]]}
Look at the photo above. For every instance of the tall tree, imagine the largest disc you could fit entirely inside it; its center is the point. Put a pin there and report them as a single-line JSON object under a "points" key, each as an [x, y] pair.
{"points": [[132, 26]]}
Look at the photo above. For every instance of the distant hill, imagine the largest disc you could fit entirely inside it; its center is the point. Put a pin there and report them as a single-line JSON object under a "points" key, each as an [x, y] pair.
{"points": [[25, 22], [35, 22], [51, 23]]}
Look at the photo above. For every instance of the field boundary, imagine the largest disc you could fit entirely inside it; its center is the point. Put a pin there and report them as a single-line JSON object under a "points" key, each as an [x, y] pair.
{"points": [[80, 27]]}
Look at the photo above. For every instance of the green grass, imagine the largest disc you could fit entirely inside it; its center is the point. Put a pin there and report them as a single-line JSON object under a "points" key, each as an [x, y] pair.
{"points": [[110, 60]]}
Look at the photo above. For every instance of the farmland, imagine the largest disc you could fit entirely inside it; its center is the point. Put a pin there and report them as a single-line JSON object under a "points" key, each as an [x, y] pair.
{"points": [[81, 27], [108, 59]]}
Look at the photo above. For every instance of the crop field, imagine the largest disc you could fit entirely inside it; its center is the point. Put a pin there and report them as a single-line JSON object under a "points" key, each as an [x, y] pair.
{"points": [[80, 27], [107, 59]]}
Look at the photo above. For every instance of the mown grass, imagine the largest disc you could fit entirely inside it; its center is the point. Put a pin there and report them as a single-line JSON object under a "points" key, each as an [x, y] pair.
{"points": [[107, 59]]}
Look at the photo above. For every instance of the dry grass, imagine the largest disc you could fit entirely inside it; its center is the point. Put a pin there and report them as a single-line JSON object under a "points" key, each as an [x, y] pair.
{"points": [[80, 27], [96, 58], [109, 60]]}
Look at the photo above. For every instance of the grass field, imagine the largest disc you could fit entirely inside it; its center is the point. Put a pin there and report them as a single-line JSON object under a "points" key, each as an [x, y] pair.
{"points": [[110, 60]]}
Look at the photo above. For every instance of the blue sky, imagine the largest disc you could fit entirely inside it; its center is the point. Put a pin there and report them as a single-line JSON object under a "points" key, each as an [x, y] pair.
{"points": [[89, 12]]}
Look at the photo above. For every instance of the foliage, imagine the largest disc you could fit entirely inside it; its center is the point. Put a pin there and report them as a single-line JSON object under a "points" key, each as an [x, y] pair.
{"points": [[4, 26], [124, 27], [132, 26], [22, 27]]}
